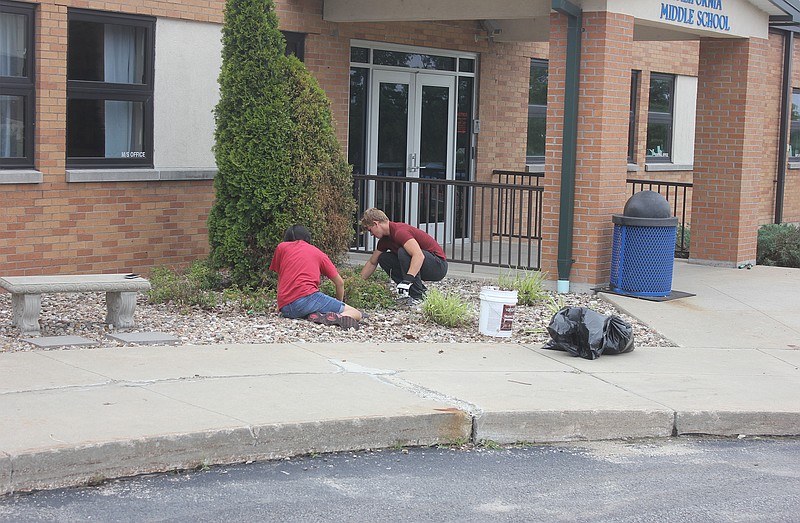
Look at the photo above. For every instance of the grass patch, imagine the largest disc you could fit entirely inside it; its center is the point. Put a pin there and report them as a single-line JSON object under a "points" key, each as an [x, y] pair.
{"points": [[489, 444], [555, 304], [192, 287], [454, 444], [370, 294], [446, 309], [528, 284], [251, 301]]}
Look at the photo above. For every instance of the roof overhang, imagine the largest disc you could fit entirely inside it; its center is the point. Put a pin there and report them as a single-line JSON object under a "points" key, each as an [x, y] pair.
{"points": [[788, 9], [528, 20]]}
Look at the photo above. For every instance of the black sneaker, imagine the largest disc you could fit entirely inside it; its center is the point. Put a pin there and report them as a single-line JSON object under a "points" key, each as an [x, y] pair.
{"points": [[413, 302]]}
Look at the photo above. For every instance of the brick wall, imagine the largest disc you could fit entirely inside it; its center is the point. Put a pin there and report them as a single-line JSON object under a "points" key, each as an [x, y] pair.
{"points": [[729, 150], [601, 170], [74, 227], [59, 227]]}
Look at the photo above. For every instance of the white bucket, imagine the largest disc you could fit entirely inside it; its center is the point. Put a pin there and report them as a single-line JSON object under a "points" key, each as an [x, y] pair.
{"points": [[497, 311]]}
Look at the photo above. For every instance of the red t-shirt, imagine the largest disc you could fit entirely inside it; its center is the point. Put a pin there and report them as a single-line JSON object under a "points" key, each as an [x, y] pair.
{"points": [[299, 266], [400, 233]]}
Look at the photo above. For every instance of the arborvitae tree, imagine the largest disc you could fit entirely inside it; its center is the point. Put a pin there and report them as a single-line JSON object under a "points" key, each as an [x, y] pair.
{"points": [[278, 159]]}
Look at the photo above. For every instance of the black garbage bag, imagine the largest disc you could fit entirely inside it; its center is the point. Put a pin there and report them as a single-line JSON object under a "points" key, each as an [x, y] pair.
{"points": [[588, 334]]}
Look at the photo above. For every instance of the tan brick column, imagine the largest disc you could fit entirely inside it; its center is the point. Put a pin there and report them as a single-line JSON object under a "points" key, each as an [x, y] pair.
{"points": [[728, 151], [601, 170], [51, 91]]}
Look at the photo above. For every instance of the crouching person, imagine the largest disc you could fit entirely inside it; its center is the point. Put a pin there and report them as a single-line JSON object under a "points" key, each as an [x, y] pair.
{"points": [[408, 255]]}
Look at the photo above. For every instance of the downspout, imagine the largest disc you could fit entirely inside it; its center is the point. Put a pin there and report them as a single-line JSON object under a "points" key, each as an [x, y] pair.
{"points": [[786, 104], [566, 216]]}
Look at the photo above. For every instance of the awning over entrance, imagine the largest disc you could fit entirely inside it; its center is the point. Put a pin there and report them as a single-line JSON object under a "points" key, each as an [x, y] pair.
{"points": [[528, 20]]}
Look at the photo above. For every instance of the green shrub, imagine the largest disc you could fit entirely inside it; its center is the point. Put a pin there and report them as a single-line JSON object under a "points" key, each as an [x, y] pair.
{"points": [[371, 294], [446, 309], [778, 244], [251, 301], [555, 303], [529, 286], [187, 289], [684, 232], [202, 274], [278, 160]]}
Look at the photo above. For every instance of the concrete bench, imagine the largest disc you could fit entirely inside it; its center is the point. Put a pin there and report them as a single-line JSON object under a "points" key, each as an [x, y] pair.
{"points": [[26, 296]]}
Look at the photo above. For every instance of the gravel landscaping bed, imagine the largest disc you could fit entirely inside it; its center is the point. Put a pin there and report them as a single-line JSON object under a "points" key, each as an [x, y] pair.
{"points": [[82, 314]]}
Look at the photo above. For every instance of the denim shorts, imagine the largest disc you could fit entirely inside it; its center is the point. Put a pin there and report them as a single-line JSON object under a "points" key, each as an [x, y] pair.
{"points": [[316, 302]]}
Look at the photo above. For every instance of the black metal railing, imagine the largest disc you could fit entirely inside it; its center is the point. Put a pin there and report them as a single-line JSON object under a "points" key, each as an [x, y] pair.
{"points": [[507, 209], [477, 223], [679, 195]]}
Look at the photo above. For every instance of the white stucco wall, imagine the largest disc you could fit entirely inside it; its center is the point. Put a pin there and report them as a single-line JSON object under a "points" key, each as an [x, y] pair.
{"points": [[187, 65], [684, 115]]}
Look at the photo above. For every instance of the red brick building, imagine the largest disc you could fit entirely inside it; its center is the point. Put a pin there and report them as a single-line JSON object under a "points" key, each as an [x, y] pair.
{"points": [[106, 123]]}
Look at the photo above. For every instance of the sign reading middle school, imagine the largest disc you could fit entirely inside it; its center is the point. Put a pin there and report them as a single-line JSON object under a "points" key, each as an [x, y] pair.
{"points": [[706, 14], [701, 18]]}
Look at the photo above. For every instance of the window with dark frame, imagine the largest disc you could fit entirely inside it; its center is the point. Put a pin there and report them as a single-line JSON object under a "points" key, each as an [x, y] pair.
{"points": [[295, 44], [794, 128], [16, 85], [660, 118], [537, 112], [357, 134], [109, 90], [632, 116]]}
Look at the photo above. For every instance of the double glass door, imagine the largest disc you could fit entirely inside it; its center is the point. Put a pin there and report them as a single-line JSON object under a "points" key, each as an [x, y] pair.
{"points": [[412, 133]]}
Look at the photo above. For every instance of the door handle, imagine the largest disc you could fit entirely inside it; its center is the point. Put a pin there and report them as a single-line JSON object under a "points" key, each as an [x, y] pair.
{"points": [[412, 163]]}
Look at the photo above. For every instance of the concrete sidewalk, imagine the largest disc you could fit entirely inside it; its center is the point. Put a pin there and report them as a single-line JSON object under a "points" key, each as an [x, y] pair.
{"points": [[732, 308], [72, 416]]}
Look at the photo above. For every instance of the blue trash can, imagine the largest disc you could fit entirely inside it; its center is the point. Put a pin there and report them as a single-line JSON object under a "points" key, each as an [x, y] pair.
{"points": [[643, 253]]}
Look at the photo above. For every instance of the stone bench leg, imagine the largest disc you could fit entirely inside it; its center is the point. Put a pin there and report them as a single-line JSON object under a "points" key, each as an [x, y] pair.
{"points": [[120, 307], [26, 309]]}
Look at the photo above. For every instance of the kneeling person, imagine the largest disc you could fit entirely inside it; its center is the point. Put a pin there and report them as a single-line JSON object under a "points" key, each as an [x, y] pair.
{"points": [[299, 266]]}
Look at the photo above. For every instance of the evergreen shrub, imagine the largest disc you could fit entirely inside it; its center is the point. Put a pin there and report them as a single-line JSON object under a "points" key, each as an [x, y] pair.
{"points": [[278, 160], [778, 244]]}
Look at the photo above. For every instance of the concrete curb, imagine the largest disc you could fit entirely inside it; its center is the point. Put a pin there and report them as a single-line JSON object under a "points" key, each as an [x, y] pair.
{"points": [[65, 466], [565, 426], [730, 423]]}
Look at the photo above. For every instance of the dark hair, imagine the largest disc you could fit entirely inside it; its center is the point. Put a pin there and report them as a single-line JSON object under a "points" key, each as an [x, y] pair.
{"points": [[297, 232]]}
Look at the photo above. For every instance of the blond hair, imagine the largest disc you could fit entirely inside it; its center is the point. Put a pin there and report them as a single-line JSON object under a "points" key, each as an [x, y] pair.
{"points": [[372, 215]]}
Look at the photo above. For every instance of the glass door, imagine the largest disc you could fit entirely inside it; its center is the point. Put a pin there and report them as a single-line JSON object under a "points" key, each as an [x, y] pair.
{"points": [[434, 144], [412, 130]]}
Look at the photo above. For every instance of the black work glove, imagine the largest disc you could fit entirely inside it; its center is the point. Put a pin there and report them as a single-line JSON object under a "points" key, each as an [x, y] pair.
{"points": [[404, 286]]}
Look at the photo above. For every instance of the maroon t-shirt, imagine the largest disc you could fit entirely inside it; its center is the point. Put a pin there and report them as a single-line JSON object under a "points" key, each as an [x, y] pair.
{"points": [[400, 233]]}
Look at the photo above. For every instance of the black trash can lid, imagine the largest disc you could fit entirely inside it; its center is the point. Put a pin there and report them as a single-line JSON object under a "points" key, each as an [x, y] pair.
{"points": [[647, 204], [646, 209]]}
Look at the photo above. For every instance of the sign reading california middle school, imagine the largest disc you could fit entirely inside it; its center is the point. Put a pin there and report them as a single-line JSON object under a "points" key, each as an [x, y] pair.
{"points": [[705, 14], [703, 18]]}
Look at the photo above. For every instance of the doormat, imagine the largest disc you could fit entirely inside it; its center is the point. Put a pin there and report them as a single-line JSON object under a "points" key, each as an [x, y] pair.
{"points": [[673, 295]]}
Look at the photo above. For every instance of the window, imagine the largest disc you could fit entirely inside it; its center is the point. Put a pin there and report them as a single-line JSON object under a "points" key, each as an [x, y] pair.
{"points": [[357, 135], [16, 85], [659, 118], [794, 130], [632, 116], [109, 90], [295, 44], [413, 60], [537, 112]]}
